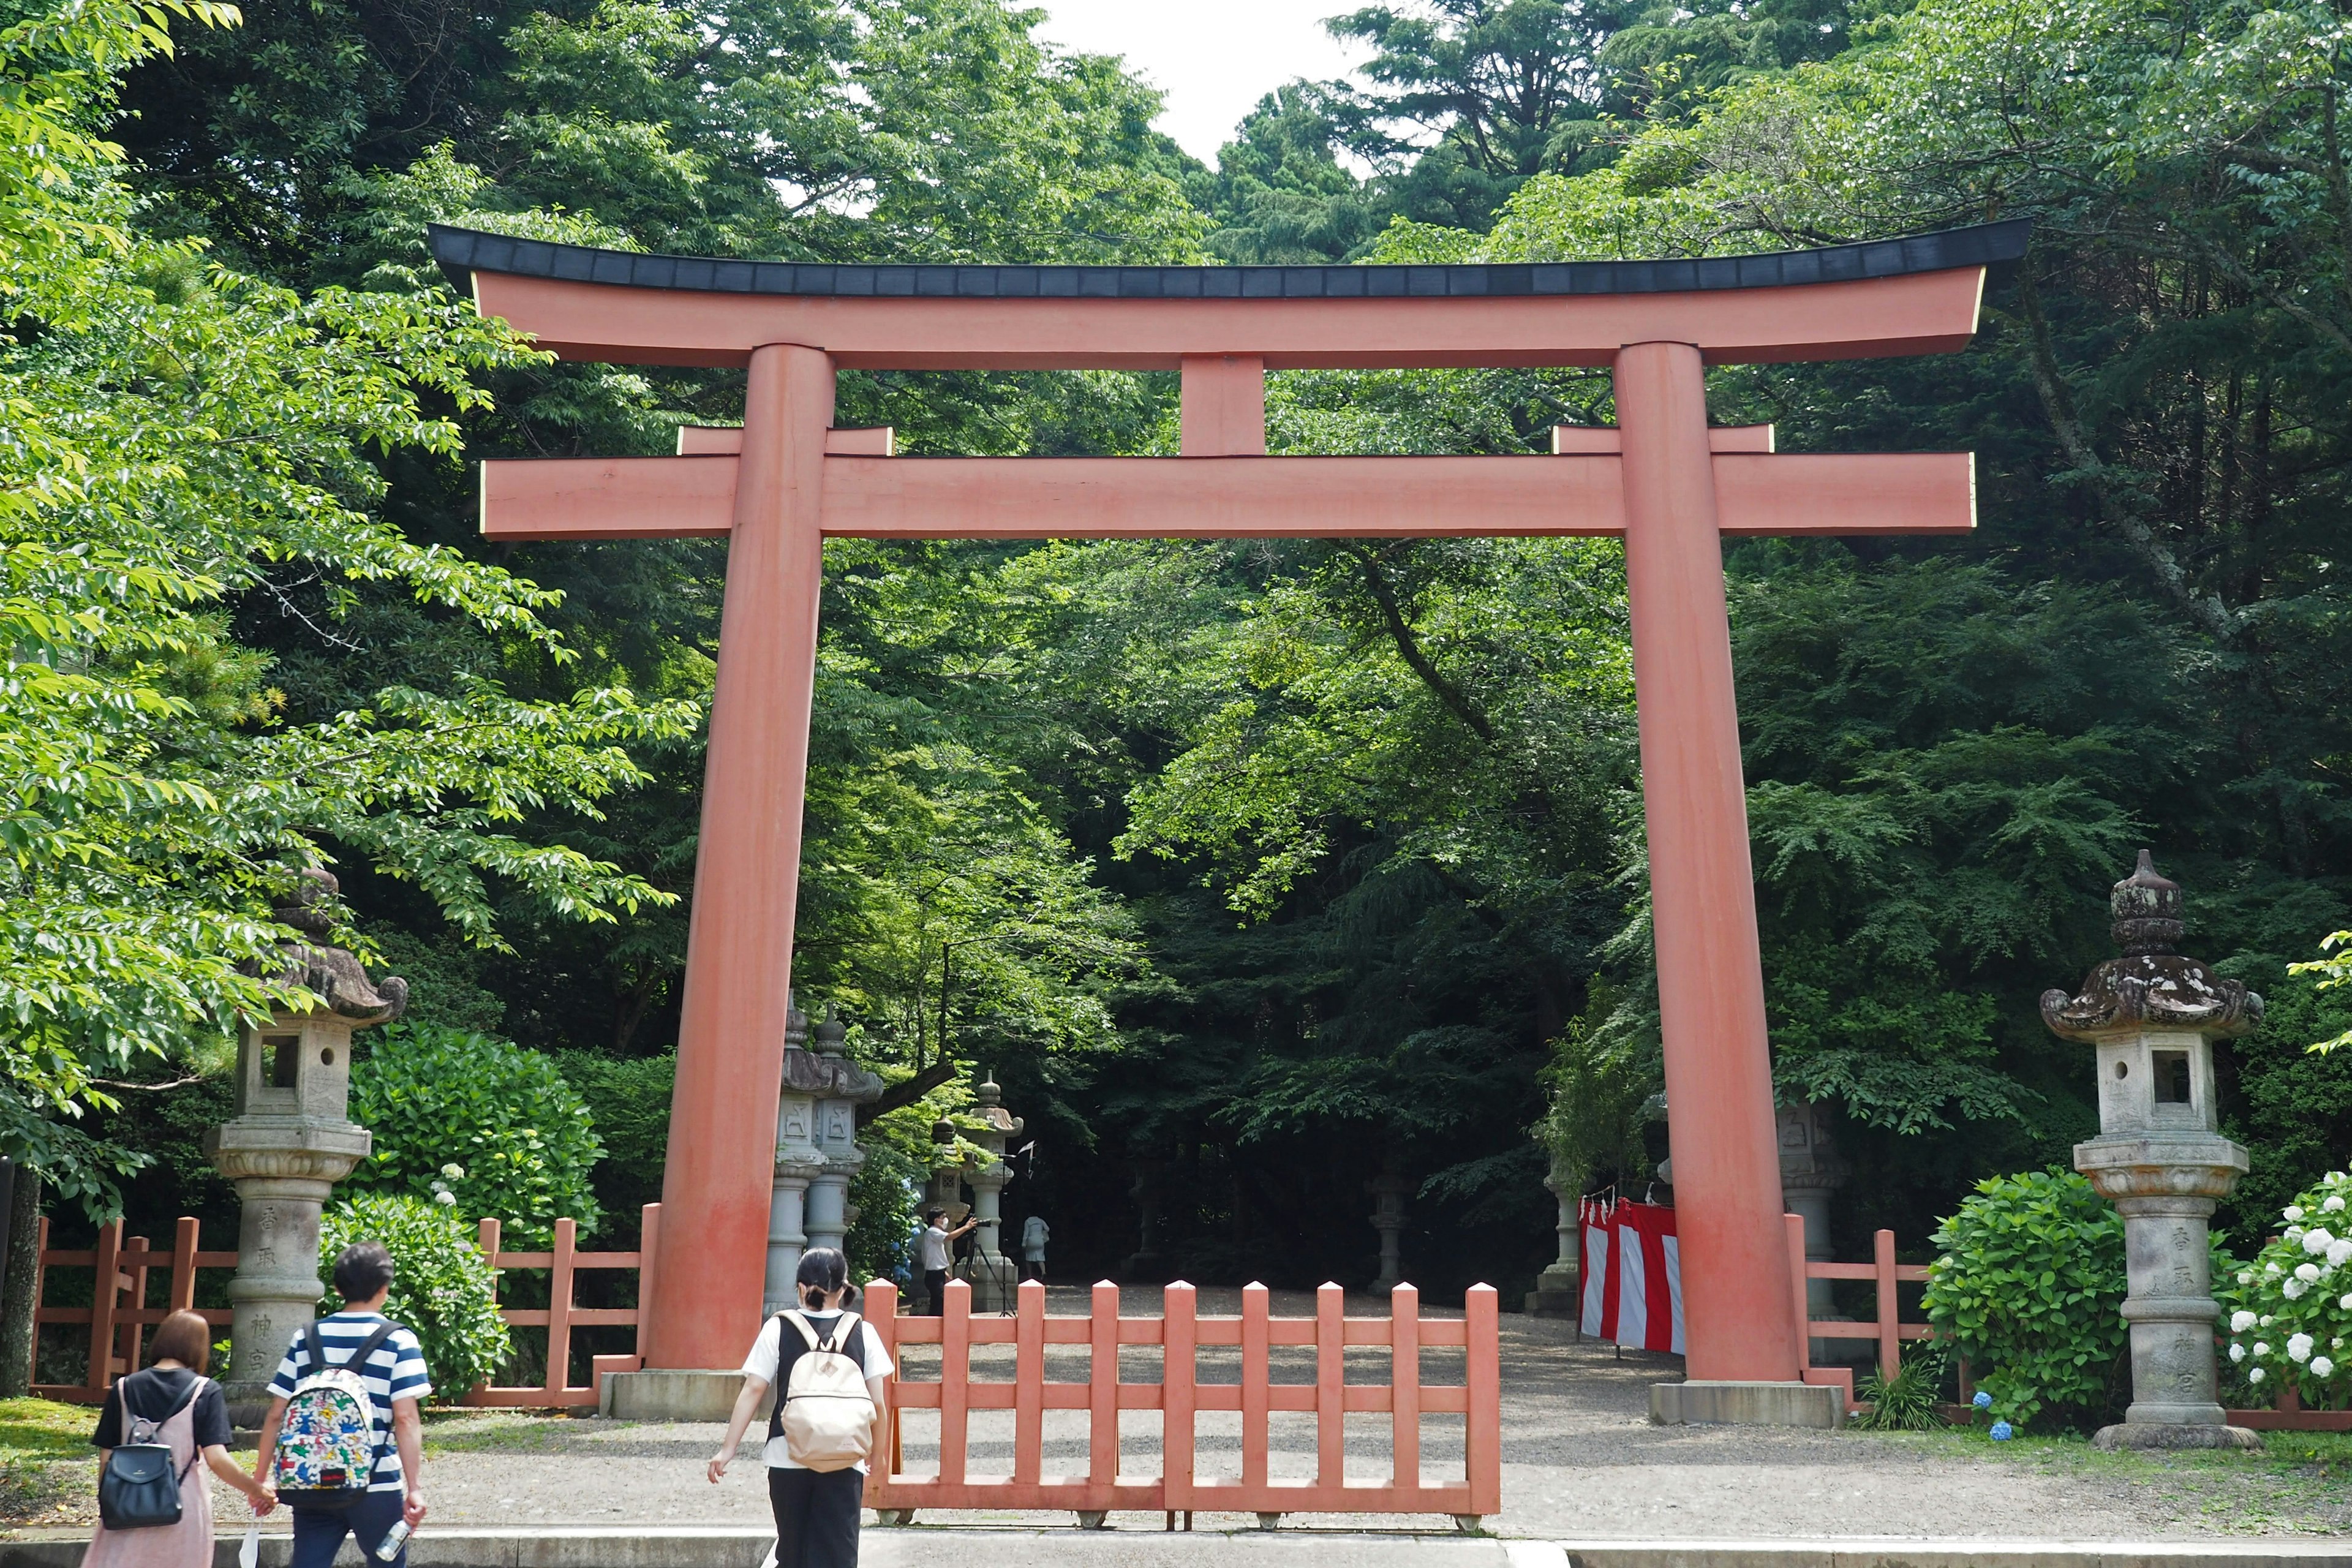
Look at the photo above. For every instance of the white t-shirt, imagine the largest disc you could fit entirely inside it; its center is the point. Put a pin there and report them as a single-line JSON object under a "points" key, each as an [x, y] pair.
{"points": [[767, 1352], [935, 1249]]}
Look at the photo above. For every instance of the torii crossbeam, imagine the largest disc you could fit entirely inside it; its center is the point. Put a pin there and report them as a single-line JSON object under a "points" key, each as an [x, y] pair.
{"points": [[1666, 482]]}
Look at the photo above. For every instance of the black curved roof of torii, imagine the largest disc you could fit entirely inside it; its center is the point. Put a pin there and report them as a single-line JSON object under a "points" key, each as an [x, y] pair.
{"points": [[463, 251]]}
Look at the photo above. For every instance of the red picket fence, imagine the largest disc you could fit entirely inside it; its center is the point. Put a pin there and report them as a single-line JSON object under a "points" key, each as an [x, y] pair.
{"points": [[1885, 1274], [117, 1318], [1180, 1395], [559, 1317], [120, 1317]]}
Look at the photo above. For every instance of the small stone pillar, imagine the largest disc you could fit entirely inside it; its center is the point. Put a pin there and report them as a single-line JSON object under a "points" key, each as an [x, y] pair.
{"points": [[840, 1086], [798, 1162], [1812, 1171], [1149, 1263], [1388, 1190], [2153, 1015], [1558, 1291], [291, 1140], [993, 1277]]}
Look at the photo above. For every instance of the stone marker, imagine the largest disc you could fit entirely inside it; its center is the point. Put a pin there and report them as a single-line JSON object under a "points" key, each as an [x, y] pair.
{"points": [[993, 1278], [291, 1140], [2154, 1016]]}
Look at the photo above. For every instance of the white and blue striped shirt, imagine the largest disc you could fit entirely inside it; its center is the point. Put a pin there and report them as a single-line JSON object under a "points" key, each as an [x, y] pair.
{"points": [[396, 1370]]}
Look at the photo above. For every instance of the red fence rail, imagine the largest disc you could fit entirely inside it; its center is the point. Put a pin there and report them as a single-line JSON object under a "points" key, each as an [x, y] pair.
{"points": [[117, 1318], [1180, 1395]]}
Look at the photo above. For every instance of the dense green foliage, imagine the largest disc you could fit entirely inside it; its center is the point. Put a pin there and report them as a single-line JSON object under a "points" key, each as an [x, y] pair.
{"points": [[1250, 868], [493, 1127], [2028, 1286], [442, 1287], [2290, 1310]]}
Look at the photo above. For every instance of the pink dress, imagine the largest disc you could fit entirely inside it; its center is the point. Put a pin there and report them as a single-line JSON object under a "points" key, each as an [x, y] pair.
{"points": [[187, 1544]]}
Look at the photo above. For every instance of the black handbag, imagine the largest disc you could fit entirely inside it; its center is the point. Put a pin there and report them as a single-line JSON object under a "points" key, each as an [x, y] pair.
{"points": [[139, 1487]]}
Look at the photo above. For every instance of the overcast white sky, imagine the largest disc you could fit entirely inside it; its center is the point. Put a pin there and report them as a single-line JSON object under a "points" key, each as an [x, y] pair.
{"points": [[1213, 58]]}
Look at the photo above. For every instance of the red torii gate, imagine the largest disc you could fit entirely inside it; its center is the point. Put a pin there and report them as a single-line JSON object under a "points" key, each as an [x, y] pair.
{"points": [[1663, 480]]}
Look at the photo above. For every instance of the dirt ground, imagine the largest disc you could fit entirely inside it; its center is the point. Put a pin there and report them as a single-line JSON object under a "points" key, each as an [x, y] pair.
{"points": [[1581, 1461]]}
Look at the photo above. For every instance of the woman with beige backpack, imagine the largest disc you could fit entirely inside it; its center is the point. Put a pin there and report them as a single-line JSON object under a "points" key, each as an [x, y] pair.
{"points": [[828, 1369]]}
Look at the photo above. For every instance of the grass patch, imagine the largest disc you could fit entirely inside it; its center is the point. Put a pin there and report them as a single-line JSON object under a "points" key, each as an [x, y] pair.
{"points": [[45, 1430], [490, 1432]]}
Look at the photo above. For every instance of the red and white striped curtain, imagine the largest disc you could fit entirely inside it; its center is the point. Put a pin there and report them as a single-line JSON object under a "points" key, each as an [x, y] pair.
{"points": [[1633, 1273]]}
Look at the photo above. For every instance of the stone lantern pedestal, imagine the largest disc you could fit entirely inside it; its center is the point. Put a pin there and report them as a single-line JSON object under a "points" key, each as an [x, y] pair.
{"points": [[1388, 1190], [1811, 1172], [1558, 1291], [993, 1278], [289, 1143], [2153, 1016], [798, 1161], [841, 1086], [816, 1150]]}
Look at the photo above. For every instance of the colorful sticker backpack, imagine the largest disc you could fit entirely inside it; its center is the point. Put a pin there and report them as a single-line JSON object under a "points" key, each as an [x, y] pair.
{"points": [[327, 1446]]}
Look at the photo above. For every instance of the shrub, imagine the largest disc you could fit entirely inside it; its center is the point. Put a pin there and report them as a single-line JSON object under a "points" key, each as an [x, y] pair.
{"points": [[521, 1140], [628, 1100], [2290, 1310], [2029, 1286], [441, 1286]]}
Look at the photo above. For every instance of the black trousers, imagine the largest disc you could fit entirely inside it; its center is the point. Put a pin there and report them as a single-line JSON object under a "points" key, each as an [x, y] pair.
{"points": [[935, 1286], [817, 1517]]}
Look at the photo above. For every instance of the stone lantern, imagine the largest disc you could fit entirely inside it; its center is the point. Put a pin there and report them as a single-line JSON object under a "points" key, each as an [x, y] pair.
{"points": [[2153, 1015], [798, 1161], [1558, 1291], [840, 1086], [291, 1139], [1812, 1171], [993, 1278], [1388, 1190]]}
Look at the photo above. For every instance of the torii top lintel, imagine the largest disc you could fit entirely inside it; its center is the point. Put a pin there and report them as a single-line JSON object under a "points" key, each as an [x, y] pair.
{"points": [[1918, 294]]}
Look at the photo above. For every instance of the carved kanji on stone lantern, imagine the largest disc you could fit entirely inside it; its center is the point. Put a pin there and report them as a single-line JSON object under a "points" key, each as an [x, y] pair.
{"points": [[292, 1138], [2153, 1015]]}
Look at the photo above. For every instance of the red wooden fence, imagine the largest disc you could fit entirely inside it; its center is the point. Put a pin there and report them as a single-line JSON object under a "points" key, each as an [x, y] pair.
{"points": [[119, 1319], [1180, 1395]]}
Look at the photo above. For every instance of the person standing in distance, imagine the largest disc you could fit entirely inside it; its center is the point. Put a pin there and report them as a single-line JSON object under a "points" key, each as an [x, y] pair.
{"points": [[397, 1383], [1034, 1234], [817, 1511], [933, 1245]]}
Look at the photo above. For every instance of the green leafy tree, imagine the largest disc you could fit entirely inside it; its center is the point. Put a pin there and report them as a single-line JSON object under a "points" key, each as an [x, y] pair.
{"points": [[442, 1287], [483, 1127]]}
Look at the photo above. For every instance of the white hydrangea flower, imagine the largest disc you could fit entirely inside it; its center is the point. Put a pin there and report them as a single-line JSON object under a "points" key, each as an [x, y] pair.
{"points": [[2270, 1270], [2255, 1375], [2266, 1319], [2334, 1204], [2338, 1251], [445, 1198], [2322, 1367], [2307, 1272], [2262, 1347], [2315, 1240], [2240, 1321], [2298, 1347], [2245, 1276], [2293, 1289], [2346, 1303], [2292, 1212], [2237, 1352], [454, 1171], [2295, 1234]]}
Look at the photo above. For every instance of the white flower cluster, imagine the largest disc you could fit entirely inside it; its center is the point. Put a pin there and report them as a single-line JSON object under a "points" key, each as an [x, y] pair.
{"points": [[441, 1193], [2283, 1286]]}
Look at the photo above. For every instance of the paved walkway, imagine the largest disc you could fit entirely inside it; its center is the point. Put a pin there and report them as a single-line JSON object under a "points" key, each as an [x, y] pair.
{"points": [[1582, 1462]]}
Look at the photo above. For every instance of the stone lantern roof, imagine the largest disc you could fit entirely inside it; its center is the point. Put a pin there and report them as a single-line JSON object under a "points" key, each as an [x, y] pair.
{"points": [[2150, 986], [332, 974]]}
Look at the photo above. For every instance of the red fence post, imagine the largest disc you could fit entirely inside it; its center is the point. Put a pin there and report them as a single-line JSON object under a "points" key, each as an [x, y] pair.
{"points": [[1793, 1227], [1102, 1392], [648, 1241], [559, 1308], [955, 1376], [184, 1264], [1330, 1386], [129, 1333], [1028, 1383], [1405, 1385], [1178, 1326], [1890, 1331], [1483, 1425], [104, 1282], [1256, 1304]]}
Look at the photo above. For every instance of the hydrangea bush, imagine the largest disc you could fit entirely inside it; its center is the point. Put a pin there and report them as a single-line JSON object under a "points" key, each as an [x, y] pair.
{"points": [[2290, 1312], [2028, 1286], [442, 1287]]}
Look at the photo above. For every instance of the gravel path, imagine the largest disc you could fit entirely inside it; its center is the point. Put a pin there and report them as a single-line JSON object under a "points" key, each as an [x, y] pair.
{"points": [[1581, 1462]]}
